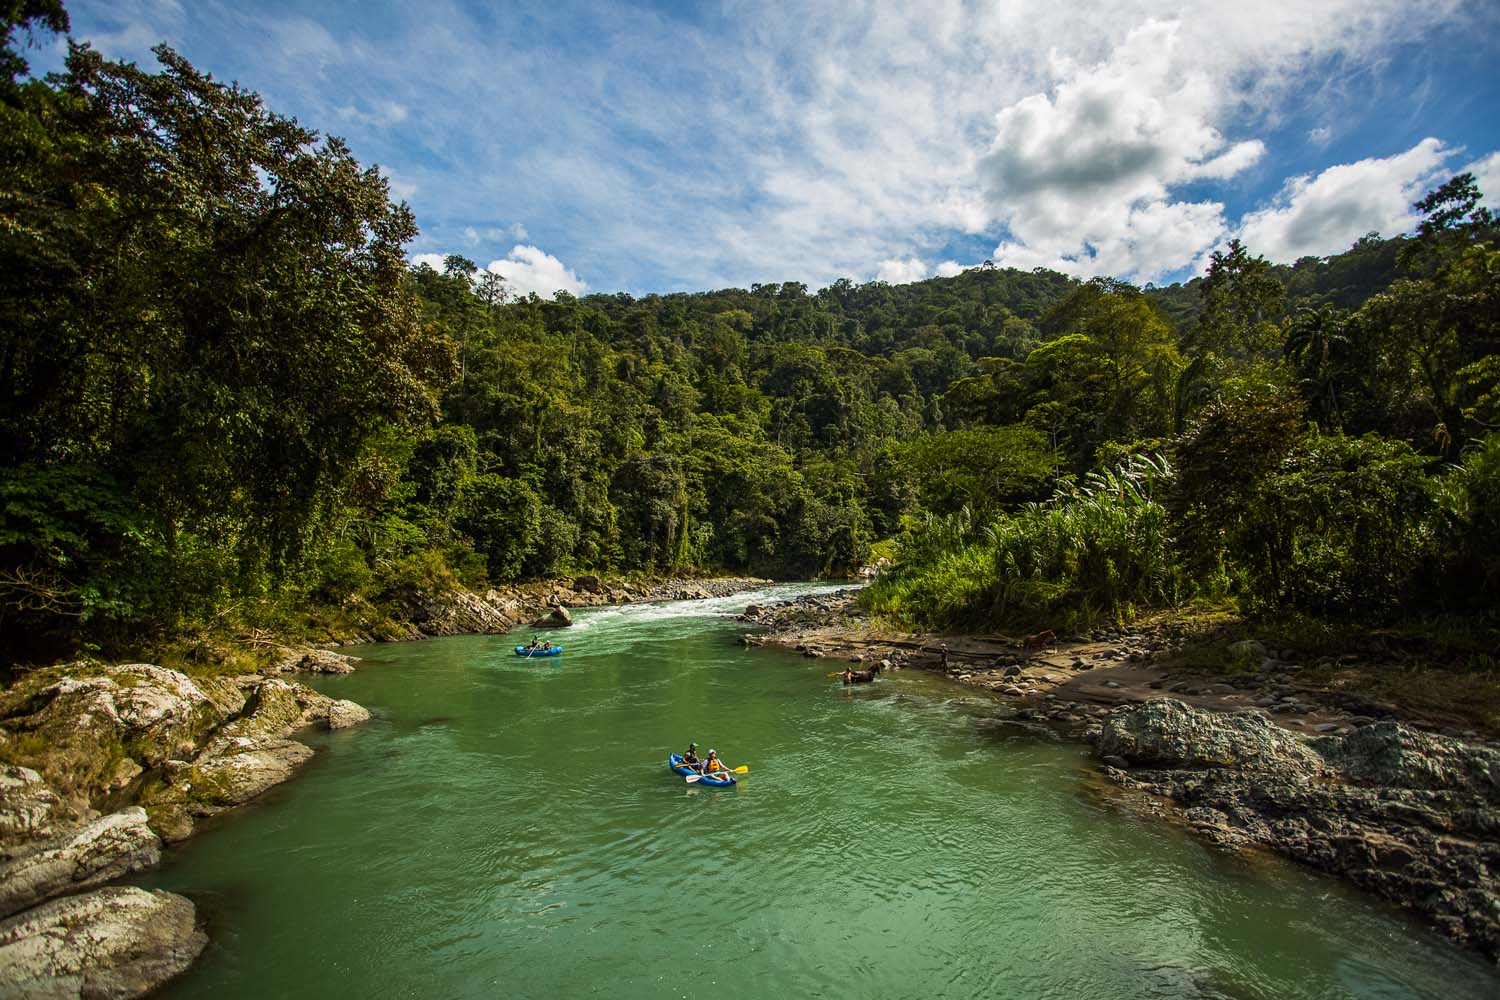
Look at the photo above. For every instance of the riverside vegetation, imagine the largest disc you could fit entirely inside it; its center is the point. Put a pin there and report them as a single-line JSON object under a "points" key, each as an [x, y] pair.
{"points": [[259, 418], [234, 421]]}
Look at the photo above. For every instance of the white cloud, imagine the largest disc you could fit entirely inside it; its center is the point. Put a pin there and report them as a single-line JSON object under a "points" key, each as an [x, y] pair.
{"points": [[432, 260], [949, 268], [528, 269], [1082, 178], [813, 139], [401, 190], [1487, 177], [1320, 136], [901, 272], [1325, 214], [382, 114]]}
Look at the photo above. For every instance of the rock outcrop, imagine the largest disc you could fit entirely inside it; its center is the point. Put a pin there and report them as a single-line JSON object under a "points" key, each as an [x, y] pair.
{"points": [[103, 850], [168, 748], [313, 661], [30, 812], [100, 726], [112, 943], [1410, 815], [457, 612], [243, 758]]}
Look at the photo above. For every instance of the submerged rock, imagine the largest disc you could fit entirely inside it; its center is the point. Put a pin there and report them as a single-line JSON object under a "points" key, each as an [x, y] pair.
{"points": [[112, 943]]}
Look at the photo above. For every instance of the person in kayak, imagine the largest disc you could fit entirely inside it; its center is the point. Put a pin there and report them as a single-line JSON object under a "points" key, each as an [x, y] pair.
{"points": [[713, 764], [691, 758]]}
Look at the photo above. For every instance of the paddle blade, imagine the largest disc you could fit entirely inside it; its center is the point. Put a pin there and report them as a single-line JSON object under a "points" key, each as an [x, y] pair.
{"points": [[742, 769], [694, 777]]}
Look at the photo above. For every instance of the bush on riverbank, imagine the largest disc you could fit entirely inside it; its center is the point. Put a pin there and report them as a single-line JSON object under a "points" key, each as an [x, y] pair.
{"points": [[1096, 550]]}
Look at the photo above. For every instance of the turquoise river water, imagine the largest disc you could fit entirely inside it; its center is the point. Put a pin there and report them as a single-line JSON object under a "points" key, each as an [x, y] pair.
{"points": [[508, 828]]}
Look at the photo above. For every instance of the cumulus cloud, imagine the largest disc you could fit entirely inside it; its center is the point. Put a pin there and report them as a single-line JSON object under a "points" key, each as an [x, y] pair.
{"points": [[901, 272], [1082, 177], [1324, 214], [813, 139], [949, 268], [528, 269], [1487, 177]]}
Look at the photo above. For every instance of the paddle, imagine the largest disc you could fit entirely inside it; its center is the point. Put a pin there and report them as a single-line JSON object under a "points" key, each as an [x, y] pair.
{"points": [[742, 769]]}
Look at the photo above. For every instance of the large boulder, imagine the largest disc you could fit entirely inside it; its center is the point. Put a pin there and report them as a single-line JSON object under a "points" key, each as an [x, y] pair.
{"points": [[314, 661], [82, 722], [29, 810], [105, 849], [558, 617], [1412, 816], [244, 758], [113, 943], [454, 612], [343, 714], [588, 584], [1391, 755], [1169, 734]]}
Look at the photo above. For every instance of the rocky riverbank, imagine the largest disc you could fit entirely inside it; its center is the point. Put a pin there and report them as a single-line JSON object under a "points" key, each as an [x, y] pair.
{"points": [[102, 765], [1269, 755], [422, 614]]}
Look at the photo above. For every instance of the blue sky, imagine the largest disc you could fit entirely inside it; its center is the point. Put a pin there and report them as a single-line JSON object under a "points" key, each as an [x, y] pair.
{"points": [[651, 147]]}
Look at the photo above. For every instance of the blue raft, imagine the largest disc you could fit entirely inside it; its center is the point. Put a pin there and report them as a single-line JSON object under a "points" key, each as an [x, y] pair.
{"points": [[523, 651], [675, 763]]}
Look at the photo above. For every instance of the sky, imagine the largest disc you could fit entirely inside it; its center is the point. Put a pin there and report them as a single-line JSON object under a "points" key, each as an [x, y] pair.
{"points": [[679, 146]]}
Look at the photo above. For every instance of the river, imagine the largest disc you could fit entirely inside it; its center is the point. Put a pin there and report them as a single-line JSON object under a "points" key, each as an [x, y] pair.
{"points": [[508, 828]]}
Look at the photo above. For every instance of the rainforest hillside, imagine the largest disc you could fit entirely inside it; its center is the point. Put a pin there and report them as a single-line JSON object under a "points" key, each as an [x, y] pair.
{"points": [[228, 401]]}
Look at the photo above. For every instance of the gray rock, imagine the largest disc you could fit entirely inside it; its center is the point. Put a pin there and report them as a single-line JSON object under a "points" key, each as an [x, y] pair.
{"points": [[589, 584], [87, 718], [29, 809], [112, 943], [1391, 754], [316, 661], [1407, 814], [558, 617], [1168, 733], [105, 849], [343, 714]]}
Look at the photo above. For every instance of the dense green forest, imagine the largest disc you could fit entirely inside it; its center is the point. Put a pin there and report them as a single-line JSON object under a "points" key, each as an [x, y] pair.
{"points": [[226, 401]]}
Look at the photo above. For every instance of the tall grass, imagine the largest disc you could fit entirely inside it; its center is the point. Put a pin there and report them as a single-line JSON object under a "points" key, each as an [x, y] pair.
{"points": [[1097, 550]]}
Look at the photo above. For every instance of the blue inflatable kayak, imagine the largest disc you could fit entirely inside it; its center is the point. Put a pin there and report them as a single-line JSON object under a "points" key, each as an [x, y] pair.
{"points": [[523, 651], [716, 780]]}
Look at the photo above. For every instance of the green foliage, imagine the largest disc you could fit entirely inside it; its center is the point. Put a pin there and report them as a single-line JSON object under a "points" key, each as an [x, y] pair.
{"points": [[982, 469], [1096, 550], [224, 396], [1342, 527]]}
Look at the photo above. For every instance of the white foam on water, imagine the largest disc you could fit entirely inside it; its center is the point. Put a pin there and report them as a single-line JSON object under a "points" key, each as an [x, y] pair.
{"points": [[617, 615]]}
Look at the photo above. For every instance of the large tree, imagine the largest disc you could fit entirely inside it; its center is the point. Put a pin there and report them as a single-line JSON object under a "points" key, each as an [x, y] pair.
{"points": [[203, 310]]}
